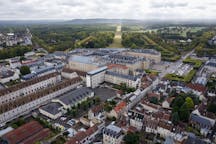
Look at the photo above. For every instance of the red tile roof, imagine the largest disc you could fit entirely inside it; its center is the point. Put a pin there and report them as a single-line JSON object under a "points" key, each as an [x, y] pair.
{"points": [[80, 73], [111, 66], [20, 134], [120, 106], [197, 87], [91, 130], [37, 137], [97, 108], [82, 135]]}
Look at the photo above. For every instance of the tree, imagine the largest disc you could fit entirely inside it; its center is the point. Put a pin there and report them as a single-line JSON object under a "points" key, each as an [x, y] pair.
{"points": [[189, 102], [24, 70], [175, 118], [154, 100], [184, 113], [212, 107], [132, 138]]}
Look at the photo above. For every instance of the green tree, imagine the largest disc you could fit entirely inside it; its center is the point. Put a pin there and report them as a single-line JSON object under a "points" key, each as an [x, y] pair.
{"points": [[184, 113], [154, 100], [189, 102], [132, 138], [24, 70], [212, 107], [175, 118]]}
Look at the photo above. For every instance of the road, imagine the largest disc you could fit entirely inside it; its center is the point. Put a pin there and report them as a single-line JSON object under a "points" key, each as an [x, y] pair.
{"points": [[173, 66]]}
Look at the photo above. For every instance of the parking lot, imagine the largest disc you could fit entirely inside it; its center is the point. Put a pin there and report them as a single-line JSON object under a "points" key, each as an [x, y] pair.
{"points": [[104, 93]]}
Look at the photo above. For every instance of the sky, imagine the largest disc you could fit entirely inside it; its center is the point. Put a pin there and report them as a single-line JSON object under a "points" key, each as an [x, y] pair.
{"points": [[110, 9]]}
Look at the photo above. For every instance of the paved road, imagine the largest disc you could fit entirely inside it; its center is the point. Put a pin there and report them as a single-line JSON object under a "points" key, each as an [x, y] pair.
{"points": [[173, 66]]}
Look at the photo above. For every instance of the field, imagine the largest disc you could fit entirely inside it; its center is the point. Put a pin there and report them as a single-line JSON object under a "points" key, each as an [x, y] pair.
{"points": [[117, 41]]}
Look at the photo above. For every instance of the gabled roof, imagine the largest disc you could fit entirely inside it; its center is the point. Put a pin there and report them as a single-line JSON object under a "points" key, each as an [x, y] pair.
{"points": [[120, 106], [22, 133], [203, 121], [197, 87]]}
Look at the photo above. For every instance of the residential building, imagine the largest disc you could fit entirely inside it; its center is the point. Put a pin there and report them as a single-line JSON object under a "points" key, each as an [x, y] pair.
{"points": [[116, 78], [86, 137], [96, 77], [25, 88], [112, 135], [118, 110], [96, 112], [136, 119], [23, 105]]}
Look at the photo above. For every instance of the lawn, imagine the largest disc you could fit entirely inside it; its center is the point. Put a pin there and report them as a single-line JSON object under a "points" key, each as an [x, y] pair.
{"points": [[187, 78], [196, 62]]}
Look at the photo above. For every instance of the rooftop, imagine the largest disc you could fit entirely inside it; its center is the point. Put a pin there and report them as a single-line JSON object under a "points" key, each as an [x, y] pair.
{"points": [[130, 77], [74, 96], [113, 128], [52, 108], [83, 59], [148, 51], [93, 72]]}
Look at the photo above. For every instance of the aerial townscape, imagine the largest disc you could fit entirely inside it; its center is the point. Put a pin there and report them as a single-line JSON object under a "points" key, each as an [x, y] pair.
{"points": [[107, 80]]}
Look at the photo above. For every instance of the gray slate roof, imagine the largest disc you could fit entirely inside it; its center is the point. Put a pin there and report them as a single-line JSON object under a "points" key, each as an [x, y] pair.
{"points": [[202, 120], [73, 97], [52, 108]]}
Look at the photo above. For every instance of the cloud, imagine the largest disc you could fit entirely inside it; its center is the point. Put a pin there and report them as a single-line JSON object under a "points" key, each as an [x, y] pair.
{"points": [[168, 4], [130, 9]]}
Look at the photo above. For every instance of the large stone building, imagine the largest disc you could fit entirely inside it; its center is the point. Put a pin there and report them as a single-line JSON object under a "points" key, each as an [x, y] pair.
{"points": [[83, 63], [151, 54], [23, 105], [96, 77], [21, 90], [116, 78]]}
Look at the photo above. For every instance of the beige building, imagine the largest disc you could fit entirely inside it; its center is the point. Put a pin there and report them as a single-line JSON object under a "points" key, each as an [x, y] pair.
{"points": [[21, 106], [116, 78], [83, 63], [151, 54]]}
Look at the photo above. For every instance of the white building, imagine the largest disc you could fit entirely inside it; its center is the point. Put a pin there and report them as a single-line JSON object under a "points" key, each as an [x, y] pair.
{"points": [[96, 77], [21, 90], [112, 135], [116, 78], [21, 106]]}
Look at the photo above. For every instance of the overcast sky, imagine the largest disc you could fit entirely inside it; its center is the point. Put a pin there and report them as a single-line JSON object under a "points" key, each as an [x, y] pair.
{"points": [[120, 9]]}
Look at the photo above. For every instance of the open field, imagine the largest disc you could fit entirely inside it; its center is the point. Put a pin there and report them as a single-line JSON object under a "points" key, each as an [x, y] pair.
{"points": [[117, 39]]}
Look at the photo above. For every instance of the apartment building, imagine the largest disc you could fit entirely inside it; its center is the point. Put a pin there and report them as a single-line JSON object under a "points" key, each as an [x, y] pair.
{"points": [[21, 90], [116, 78], [23, 105], [112, 135]]}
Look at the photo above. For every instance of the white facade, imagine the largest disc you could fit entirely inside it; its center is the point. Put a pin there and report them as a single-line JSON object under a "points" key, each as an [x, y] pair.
{"points": [[29, 89], [96, 77], [118, 80], [15, 76], [27, 107]]}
